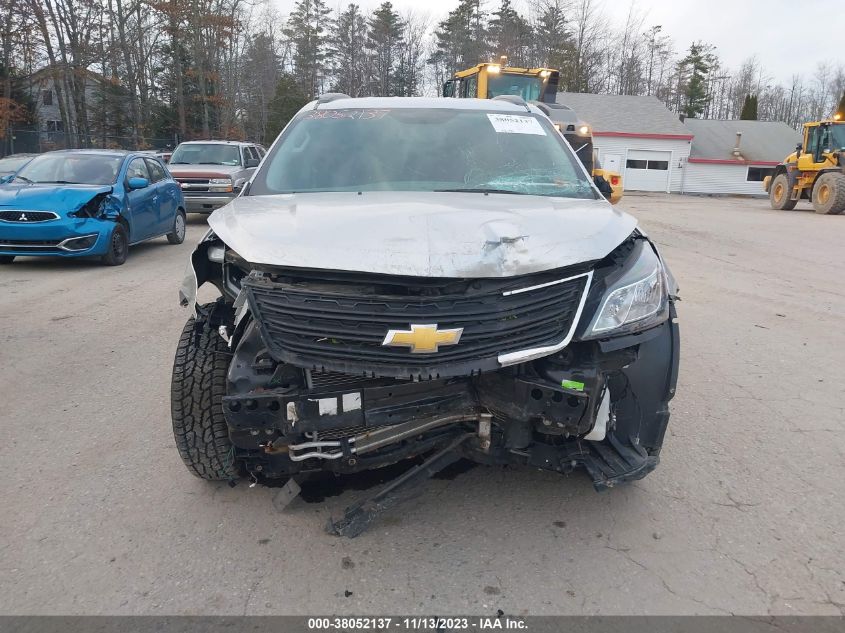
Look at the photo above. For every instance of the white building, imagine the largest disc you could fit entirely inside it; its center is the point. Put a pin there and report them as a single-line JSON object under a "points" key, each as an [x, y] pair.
{"points": [[636, 136], [733, 157]]}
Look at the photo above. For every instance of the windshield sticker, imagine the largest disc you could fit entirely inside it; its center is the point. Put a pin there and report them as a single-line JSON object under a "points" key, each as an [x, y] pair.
{"points": [[359, 115], [514, 124]]}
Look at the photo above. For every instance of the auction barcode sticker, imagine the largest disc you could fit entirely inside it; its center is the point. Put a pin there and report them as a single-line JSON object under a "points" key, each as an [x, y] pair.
{"points": [[515, 124]]}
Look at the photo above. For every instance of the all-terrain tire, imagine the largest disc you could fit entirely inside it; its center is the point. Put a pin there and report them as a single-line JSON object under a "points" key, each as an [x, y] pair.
{"points": [[196, 396], [779, 193], [6, 259], [829, 193], [177, 235]]}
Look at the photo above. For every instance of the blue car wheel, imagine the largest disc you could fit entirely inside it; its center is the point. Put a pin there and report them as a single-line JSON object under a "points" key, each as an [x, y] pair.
{"points": [[118, 248]]}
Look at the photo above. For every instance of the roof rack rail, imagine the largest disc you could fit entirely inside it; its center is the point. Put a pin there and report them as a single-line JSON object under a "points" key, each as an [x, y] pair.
{"points": [[331, 96], [514, 99]]}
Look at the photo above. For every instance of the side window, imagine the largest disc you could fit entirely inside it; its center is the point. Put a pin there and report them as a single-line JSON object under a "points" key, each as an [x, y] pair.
{"points": [[247, 154], [138, 169], [812, 140], [824, 139], [261, 151], [156, 170], [469, 87]]}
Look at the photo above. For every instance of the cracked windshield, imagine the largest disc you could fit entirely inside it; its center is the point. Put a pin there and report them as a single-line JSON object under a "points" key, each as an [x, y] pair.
{"points": [[422, 150]]}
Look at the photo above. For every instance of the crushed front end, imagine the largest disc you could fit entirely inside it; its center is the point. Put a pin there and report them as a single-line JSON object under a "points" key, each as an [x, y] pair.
{"points": [[344, 371]]}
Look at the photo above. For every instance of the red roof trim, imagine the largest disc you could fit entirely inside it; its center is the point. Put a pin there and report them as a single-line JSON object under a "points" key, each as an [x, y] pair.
{"points": [[728, 161], [668, 137]]}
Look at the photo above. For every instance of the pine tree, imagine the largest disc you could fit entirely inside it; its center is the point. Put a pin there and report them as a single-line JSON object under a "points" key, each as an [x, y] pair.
{"points": [[510, 35], [552, 40], [260, 75], [697, 63], [349, 58], [306, 30], [461, 39], [385, 42], [286, 102], [749, 108]]}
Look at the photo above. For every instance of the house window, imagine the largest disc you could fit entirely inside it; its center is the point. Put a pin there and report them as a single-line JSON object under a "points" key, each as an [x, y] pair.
{"points": [[55, 126], [657, 165], [47, 97], [757, 174]]}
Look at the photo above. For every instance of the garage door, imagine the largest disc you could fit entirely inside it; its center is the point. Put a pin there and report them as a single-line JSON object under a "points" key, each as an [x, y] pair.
{"points": [[647, 170]]}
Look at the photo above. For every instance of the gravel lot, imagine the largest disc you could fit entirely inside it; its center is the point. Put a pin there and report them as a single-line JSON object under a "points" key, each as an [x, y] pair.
{"points": [[744, 515]]}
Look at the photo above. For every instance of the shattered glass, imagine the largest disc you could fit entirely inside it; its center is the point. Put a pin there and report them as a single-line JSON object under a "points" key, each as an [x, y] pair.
{"points": [[410, 149]]}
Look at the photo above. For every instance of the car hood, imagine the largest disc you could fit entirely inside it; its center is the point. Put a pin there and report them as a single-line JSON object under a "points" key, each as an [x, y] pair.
{"points": [[203, 171], [421, 234], [48, 197]]}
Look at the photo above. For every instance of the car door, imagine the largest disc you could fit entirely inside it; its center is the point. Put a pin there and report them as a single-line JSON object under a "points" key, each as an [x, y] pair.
{"points": [[143, 203], [166, 199], [251, 154]]}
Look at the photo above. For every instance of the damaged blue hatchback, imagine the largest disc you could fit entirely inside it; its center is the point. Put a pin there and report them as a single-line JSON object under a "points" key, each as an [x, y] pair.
{"points": [[82, 203]]}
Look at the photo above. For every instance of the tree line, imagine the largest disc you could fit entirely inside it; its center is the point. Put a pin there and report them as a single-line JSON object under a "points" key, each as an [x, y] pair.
{"points": [[150, 70]]}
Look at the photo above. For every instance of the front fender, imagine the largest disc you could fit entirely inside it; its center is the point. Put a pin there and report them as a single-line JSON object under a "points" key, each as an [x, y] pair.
{"points": [[198, 271]]}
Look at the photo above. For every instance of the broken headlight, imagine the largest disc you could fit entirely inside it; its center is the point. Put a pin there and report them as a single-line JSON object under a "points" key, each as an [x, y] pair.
{"points": [[636, 300]]}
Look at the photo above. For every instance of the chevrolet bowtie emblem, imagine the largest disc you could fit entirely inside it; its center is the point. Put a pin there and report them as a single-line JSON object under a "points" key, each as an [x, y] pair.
{"points": [[423, 339]]}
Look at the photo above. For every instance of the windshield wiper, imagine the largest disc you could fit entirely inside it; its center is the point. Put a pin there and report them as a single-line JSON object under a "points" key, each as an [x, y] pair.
{"points": [[24, 178], [60, 182], [482, 190]]}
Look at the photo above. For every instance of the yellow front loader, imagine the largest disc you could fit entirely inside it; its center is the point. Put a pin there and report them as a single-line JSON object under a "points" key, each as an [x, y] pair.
{"points": [[815, 171]]}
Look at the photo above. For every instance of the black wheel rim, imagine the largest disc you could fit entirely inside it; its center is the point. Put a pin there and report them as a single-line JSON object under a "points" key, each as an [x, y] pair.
{"points": [[118, 245]]}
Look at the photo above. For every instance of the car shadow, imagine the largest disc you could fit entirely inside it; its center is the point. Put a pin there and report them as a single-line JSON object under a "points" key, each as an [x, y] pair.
{"points": [[48, 263]]}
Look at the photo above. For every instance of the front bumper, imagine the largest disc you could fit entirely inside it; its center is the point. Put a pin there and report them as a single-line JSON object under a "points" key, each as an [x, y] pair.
{"points": [[206, 202], [601, 405], [60, 238]]}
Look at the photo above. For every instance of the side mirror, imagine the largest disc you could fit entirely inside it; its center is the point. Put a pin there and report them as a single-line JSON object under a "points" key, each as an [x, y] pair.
{"points": [[138, 183], [251, 162], [798, 149], [239, 184], [5, 179], [449, 88]]}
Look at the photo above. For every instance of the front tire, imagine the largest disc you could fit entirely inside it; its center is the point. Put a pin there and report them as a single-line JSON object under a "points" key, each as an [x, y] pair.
{"points": [[196, 396], [177, 235], [829, 194], [6, 259], [779, 194], [118, 247]]}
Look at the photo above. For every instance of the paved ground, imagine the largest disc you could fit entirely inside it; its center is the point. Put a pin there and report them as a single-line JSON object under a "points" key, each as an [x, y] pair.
{"points": [[745, 514]]}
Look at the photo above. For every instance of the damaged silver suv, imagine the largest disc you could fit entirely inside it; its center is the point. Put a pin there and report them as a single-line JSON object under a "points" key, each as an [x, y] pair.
{"points": [[423, 279]]}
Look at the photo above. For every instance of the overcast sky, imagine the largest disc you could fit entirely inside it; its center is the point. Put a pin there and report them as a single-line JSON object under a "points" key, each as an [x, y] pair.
{"points": [[787, 36]]}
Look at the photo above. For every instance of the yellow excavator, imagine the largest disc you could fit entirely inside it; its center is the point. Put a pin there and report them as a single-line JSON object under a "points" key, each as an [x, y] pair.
{"points": [[815, 171], [539, 87]]}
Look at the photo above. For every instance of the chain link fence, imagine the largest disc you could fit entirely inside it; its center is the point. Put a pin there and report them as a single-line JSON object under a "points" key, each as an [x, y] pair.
{"points": [[36, 142]]}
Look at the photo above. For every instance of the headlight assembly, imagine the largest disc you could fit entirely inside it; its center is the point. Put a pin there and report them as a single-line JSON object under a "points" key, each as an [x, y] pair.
{"points": [[220, 184], [635, 301]]}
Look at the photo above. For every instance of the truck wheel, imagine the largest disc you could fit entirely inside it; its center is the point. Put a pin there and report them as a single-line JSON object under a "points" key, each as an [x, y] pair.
{"points": [[829, 193], [779, 194], [196, 396]]}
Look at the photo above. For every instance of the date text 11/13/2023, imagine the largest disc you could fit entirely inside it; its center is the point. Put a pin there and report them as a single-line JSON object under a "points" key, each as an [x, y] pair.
{"points": [[416, 623]]}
